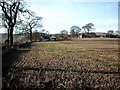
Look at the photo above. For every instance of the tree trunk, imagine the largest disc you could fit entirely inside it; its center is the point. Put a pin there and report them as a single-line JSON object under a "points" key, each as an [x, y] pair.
{"points": [[30, 35], [11, 36], [88, 33], [8, 38]]}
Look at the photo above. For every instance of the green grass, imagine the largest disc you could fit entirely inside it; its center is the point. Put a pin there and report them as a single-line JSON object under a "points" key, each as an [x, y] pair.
{"points": [[105, 55]]}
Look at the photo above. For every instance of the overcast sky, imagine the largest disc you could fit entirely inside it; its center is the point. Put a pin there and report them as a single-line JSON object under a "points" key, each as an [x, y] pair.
{"points": [[63, 14]]}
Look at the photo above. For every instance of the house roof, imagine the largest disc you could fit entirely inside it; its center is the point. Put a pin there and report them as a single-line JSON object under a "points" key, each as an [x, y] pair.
{"points": [[52, 37], [46, 37]]}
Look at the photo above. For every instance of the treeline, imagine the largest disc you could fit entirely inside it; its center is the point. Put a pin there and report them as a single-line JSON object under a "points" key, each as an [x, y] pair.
{"points": [[75, 32], [87, 32]]}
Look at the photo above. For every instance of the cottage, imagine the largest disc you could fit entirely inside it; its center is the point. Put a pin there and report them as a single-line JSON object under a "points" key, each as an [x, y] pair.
{"points": [[45, 38], [53, 38]]}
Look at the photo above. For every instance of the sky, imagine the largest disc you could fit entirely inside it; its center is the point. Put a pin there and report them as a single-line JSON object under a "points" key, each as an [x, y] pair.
{"points": [[60, 15]]}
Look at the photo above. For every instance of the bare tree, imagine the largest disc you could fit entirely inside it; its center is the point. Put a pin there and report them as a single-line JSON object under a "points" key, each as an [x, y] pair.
{"points": [[10, 9], [64, 34], [88, 27], [75, 30], [35, 35], [29, 22]]}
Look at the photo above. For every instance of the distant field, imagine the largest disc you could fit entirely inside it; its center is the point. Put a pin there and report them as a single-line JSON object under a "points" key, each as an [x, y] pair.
{"points": [[97, 39], [83, 54], [98, 55]]}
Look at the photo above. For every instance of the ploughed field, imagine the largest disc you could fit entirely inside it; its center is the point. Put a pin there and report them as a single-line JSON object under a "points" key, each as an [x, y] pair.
{"points": [[77, 64]]}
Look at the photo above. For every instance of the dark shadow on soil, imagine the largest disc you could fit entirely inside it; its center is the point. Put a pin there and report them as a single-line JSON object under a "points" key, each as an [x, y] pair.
{"points": [[12, 56], [26, 45]]}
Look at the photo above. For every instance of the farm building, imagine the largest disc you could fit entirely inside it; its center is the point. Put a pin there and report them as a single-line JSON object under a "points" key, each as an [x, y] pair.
{"points": [[93, 35], [53, 38], [44, 38], [101, 34], [47, 38]]}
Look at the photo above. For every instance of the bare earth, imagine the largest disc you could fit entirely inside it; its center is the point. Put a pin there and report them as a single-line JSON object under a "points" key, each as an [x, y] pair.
{"points": [[68, 65]]}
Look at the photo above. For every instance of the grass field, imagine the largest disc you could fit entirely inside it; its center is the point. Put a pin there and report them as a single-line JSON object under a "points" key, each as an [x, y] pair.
{"points": [[83, 54]]}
